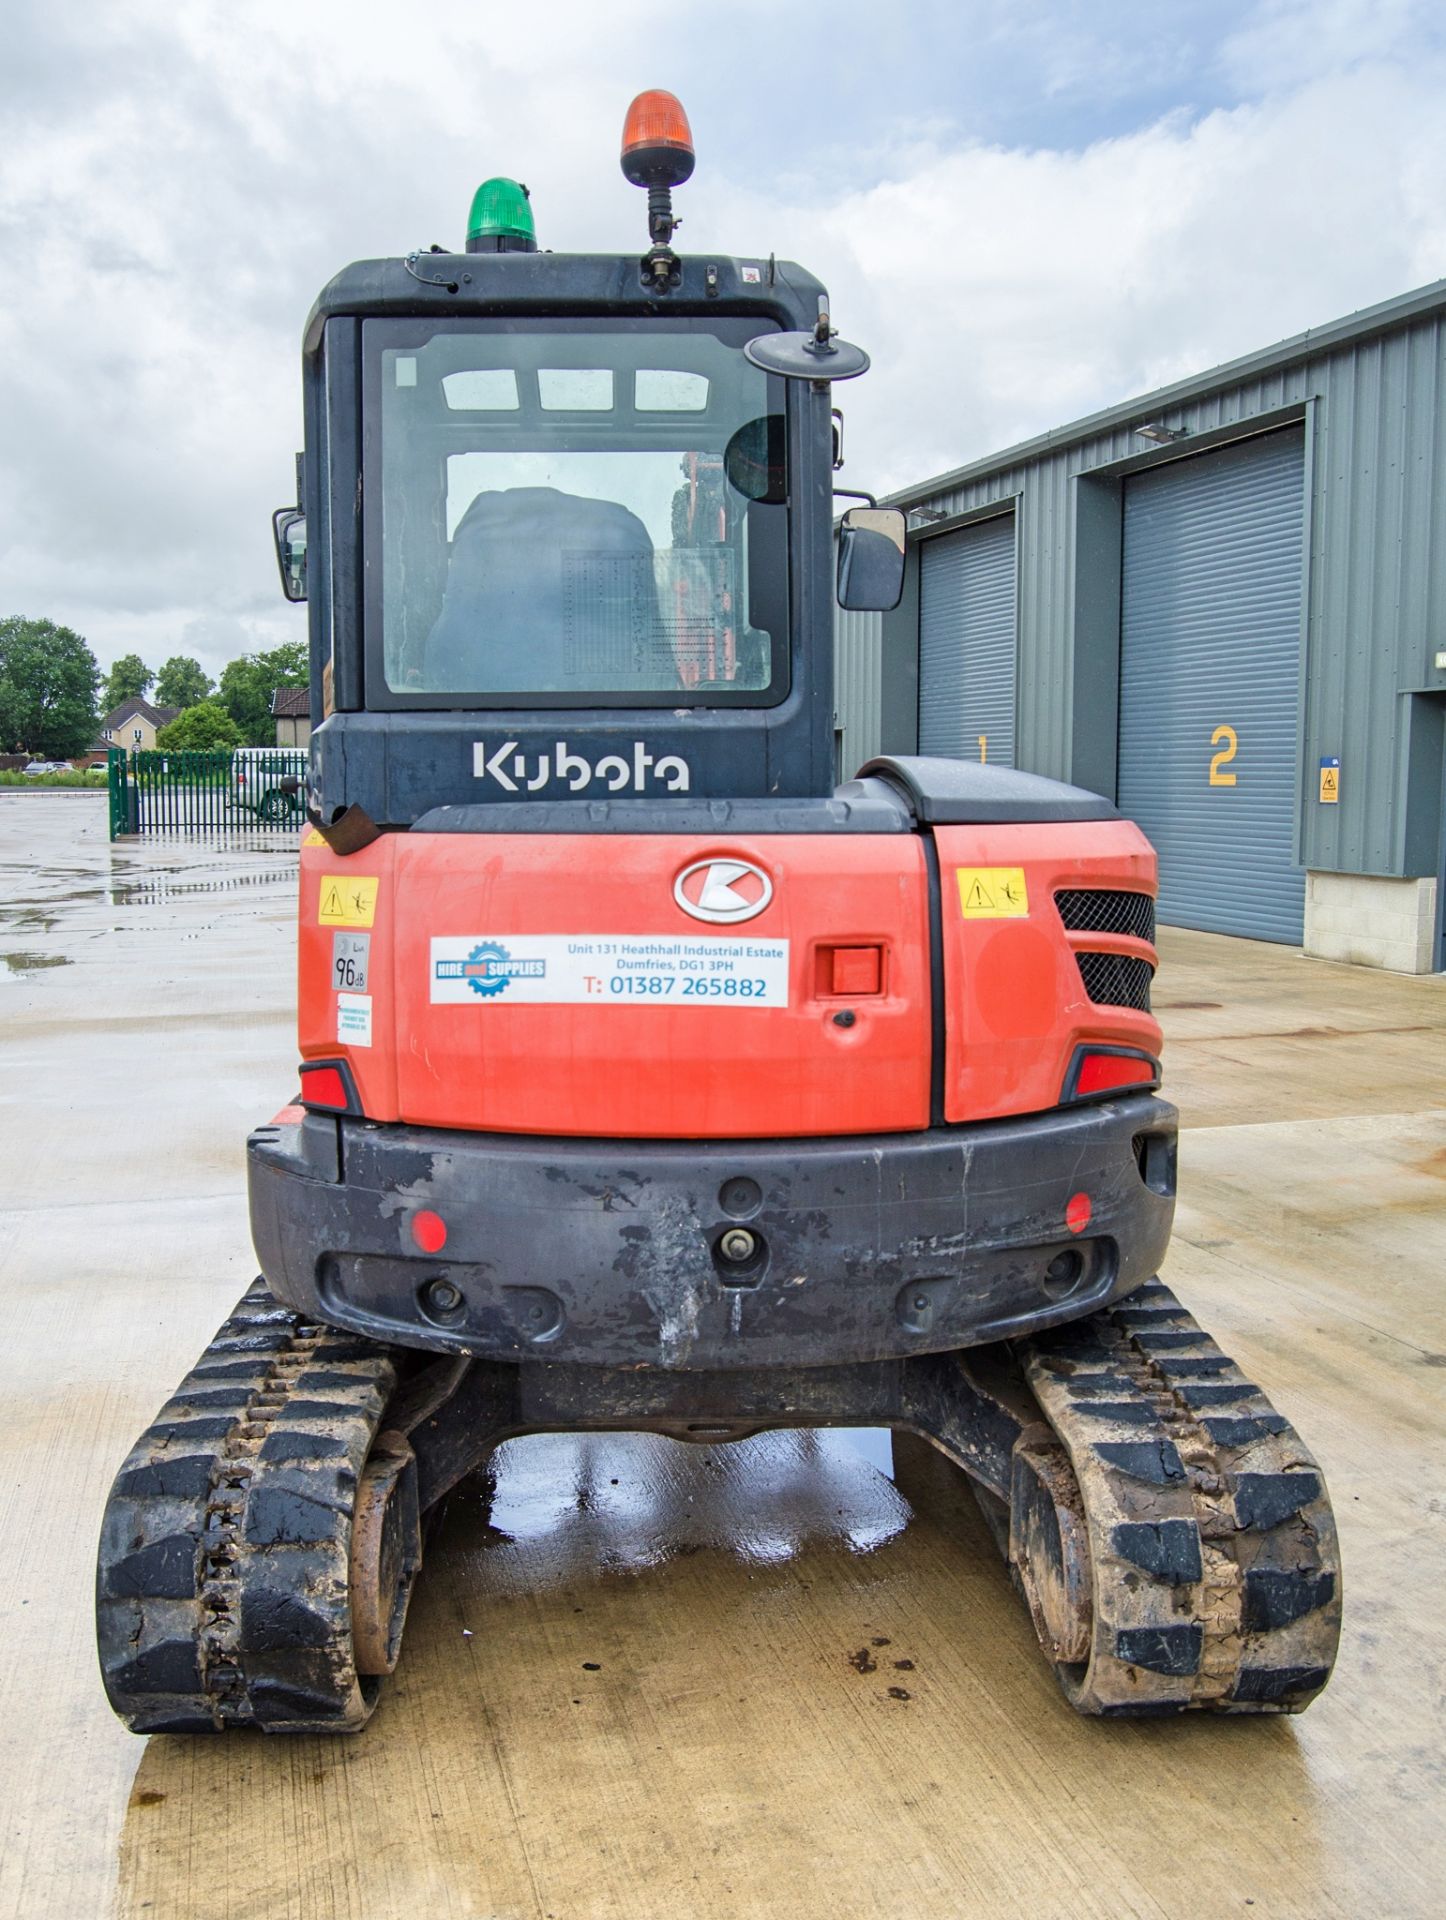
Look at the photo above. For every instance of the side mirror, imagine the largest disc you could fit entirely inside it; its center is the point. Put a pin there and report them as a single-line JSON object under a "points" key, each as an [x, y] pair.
{"points": [[871, 560], [288, 524]]}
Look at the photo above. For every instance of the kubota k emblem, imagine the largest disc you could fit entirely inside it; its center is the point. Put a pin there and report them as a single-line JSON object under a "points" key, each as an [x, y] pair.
{"points": [[726, 890]]}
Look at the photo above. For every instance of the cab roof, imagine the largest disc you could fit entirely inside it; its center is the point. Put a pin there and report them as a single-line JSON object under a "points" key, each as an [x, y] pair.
{"points": [[475, 285]]}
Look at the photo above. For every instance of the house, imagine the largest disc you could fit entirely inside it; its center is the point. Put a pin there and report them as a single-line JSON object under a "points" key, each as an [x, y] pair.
{"points": [[291, 710], [134, 725]]}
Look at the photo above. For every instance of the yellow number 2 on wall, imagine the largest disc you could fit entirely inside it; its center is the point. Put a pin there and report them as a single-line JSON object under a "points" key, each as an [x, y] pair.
{"points": [[1223, 757]]}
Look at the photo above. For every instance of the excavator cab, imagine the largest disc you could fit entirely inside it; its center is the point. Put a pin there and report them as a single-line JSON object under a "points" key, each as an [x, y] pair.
{"points": [[648, 1076], [597, 521]]}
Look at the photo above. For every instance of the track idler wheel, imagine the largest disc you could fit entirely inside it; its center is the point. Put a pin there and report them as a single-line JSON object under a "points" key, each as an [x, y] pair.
{"points": [[386, 1553], [1049, 1545]]}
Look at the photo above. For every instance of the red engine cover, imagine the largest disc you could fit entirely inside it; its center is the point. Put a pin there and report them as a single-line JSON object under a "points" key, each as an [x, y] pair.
{"points": [[1016, 1006], [553, 984]]}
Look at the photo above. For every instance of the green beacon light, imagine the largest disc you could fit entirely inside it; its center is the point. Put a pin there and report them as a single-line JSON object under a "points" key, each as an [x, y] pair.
{"points": [[501, 219]]}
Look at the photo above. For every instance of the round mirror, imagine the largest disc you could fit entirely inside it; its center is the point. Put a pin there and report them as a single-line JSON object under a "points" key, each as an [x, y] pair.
{"points": [[798, 356]]}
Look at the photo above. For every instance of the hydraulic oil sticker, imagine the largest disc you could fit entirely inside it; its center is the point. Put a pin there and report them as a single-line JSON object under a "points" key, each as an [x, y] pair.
{"points": [[992, 893], [607, 970], [354, 1019], [347, 900], [349, 955]]}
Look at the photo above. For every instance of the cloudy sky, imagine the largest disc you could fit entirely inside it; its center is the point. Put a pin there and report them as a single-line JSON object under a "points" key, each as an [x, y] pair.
{"points": [[1024, 213]]}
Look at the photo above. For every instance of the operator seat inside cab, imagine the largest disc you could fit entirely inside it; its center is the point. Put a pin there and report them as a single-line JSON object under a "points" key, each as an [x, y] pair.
{"points": [[548, 592]]}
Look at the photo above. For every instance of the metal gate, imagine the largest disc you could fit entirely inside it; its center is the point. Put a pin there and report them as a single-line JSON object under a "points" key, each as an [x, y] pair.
{"points": [[967, 643], [207, 793], [1209, 683]]}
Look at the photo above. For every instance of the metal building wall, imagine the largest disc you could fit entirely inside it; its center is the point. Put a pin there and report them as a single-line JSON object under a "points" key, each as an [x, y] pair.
{"points": [[1043, 493], [858, 691], [1377, 588], [1372, 394]]}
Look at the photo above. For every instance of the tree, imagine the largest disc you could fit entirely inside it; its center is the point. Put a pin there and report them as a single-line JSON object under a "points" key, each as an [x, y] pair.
{"points": [[182, 683], [247, 685], [200, 729], [127, 680], [48, 680]]}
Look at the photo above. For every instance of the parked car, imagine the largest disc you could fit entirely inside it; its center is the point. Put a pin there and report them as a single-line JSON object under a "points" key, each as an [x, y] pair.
{"points": [[257, 774], [48, 766]]}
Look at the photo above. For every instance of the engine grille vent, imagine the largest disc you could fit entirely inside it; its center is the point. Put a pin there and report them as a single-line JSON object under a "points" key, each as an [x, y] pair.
{"points": [[1097, 910], [1116, 980]]}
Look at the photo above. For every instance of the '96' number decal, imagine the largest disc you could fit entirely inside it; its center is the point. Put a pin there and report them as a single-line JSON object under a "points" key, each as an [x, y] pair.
{"points": [[349, 952]]}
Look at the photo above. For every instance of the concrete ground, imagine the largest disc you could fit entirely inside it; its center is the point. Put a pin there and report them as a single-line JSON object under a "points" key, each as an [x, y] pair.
{"points": [[724, 1758]]}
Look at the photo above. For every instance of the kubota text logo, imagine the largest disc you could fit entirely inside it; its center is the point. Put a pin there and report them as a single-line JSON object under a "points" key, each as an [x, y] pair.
{"points": [[519, 772], [723, 890]]}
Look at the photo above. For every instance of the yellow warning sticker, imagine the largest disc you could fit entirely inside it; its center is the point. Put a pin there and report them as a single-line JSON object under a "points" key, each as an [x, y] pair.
{"points": [[347, 900], [1330, 783], [992, 893], [311, 838]]}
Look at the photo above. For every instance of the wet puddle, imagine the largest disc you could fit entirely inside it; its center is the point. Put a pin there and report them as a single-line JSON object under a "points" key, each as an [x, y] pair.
{"points": [[159, 890], [601, 1498], [32, 962]]}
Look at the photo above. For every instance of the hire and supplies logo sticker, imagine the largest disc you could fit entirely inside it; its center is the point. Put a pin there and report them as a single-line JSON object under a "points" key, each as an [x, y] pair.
{"points": [[489, 969]]}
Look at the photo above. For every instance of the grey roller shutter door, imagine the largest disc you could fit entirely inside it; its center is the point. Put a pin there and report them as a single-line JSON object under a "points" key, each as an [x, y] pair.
{"points": [[967, 643], [1210, 686]]}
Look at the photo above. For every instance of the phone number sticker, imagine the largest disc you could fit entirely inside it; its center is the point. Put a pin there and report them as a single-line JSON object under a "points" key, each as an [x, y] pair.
{"points": [[606, 969]]}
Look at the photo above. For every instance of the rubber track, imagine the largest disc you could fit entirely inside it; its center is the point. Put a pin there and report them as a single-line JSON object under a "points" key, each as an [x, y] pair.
{"points": [[222, 1590], [1215, 1570]]}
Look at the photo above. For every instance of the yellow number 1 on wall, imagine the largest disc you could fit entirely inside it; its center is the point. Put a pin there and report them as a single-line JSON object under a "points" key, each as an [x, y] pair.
{"points": [[1225, 755]]}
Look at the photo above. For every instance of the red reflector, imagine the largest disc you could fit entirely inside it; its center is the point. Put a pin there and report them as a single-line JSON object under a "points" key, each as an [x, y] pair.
{"points": [[429, 1230], [1099, 1072], [1077, 1213], [324, 1087], [291, 1116]]}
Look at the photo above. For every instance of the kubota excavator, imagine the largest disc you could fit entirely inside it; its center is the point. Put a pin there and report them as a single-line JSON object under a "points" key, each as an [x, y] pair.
{"points": [[652, 1079]]}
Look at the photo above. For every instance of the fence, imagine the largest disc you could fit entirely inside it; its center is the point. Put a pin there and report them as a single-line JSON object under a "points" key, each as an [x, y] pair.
{"points": [[206, 793]]}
